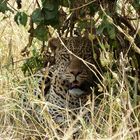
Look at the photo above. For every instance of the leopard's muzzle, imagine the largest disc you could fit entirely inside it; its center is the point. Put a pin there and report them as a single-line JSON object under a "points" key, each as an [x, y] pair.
{"points": [[79, 89]]}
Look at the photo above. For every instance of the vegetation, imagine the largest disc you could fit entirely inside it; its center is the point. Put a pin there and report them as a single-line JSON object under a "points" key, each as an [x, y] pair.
{"points": [[25, 30]]}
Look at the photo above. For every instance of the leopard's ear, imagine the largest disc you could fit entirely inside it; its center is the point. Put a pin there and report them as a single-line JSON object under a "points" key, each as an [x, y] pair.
{"points": [[53, 43]]}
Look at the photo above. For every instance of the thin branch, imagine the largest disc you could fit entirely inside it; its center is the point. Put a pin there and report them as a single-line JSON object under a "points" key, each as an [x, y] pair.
{"points": [[129, 37], [38, 4], [15, 62], [77, 8], [135, 18]]}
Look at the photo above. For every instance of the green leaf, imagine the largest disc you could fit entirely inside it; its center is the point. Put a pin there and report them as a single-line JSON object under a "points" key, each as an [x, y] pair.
{"points": [[49, 15], [50, 7], [111, 31], [37, 16], [93, 8], [21, 18], [136, 4], [4, 7], [32, 65], [107, 28], [41, 33], [66, 3], [100, 29], [50, 12], [50, 3], [82, 24]]}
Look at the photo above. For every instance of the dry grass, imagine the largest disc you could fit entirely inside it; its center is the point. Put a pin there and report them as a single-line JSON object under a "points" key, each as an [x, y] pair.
{"points": [[116, 117]]}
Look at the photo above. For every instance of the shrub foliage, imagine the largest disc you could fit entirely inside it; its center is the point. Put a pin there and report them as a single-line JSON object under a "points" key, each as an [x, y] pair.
{"points": [[115, 23]]}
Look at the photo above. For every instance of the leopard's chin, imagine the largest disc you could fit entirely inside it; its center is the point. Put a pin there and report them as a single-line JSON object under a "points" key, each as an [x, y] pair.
{"points": [[76, 92], [76, 89]]}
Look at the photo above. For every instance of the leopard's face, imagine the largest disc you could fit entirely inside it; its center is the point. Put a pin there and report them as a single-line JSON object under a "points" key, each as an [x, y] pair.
{"points": [[71, 75]]}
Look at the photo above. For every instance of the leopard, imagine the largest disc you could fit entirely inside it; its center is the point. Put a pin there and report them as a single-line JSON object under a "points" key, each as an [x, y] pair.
{"points": [[72, 80]]}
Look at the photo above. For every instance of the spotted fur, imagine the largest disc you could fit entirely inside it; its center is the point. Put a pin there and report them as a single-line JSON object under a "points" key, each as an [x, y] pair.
{"points": [[71, 81]]}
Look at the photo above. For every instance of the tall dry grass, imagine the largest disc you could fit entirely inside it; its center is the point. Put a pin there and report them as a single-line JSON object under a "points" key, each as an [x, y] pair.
{"points": [[23, 116]]}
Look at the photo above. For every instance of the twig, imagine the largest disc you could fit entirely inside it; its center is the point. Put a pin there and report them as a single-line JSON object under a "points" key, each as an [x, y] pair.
{"points": [[129, 37], [14, 62], [82, 6]]}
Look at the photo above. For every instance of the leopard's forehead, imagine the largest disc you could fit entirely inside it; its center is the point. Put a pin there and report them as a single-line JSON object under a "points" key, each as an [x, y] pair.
{"points": [[78, 45]]}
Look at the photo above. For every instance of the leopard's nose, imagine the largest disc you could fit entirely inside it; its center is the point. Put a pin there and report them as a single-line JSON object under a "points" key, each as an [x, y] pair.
{"points": [[75, 66], [75, 72]]}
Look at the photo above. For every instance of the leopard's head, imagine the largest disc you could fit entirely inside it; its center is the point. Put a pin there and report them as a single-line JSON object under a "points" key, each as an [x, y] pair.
{"points": [[71, 74]]}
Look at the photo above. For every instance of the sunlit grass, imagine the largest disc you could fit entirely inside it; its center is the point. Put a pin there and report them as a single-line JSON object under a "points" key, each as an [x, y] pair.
{"points": [[24, 116]]}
